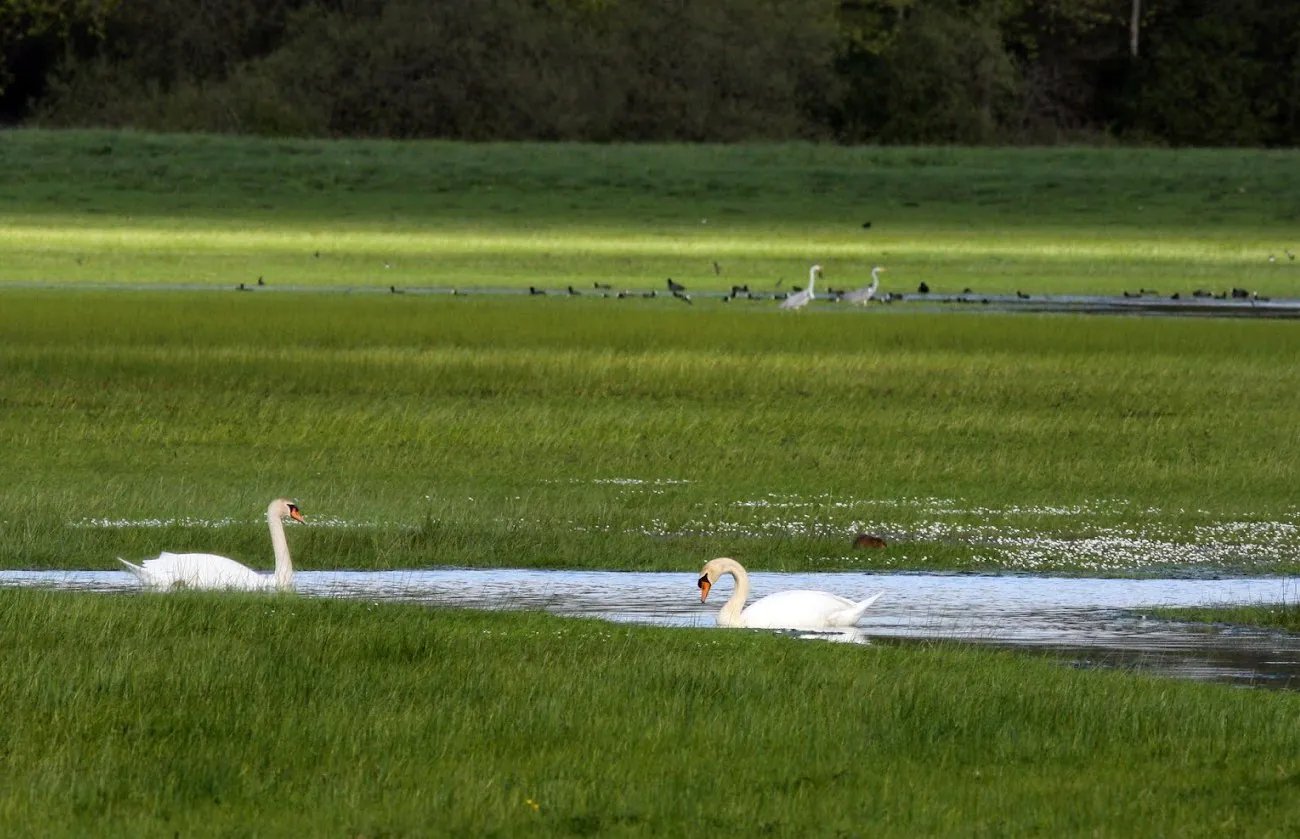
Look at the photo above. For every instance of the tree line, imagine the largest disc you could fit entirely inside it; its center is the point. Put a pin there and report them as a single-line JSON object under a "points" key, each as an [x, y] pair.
{"points": [[1176, 72]]}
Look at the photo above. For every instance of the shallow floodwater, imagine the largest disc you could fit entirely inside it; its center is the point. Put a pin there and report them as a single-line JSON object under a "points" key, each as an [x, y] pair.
{"points": [[1187, 305], [1088, 622]]}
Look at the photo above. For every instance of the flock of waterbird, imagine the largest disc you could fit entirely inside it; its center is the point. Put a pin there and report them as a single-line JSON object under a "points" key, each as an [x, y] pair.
{"points": [[795, 298], [798, 297], [801, 609]]}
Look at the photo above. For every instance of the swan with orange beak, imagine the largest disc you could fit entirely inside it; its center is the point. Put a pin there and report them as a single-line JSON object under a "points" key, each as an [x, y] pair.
{"points": [[800, 609]]}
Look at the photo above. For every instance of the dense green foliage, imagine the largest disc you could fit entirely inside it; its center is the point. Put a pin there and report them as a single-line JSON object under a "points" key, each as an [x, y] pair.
{"points": [[219, 716], [1184, 72]]}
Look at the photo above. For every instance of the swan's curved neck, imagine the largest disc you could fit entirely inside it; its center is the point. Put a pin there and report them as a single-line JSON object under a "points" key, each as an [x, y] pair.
{"points": [[812, 279], [283, 565], [736, 603], [875, 275]]}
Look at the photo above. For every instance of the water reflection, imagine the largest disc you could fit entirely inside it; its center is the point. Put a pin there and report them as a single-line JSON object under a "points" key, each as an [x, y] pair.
{"points": [[1092, 622]]}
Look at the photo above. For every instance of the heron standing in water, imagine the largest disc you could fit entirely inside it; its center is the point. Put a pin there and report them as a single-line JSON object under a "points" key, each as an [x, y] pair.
{"points": [[866, 293], [798, 301]]}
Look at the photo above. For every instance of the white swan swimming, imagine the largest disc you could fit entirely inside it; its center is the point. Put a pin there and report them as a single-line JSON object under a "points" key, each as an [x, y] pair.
{"points": [[209, 571], [798, 301], [783, 610]]}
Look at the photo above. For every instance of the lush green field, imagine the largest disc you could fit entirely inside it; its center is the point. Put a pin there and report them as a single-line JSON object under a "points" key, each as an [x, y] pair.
{"points": [[95, 207], [220, 716], [419, 431], [562, 433]]}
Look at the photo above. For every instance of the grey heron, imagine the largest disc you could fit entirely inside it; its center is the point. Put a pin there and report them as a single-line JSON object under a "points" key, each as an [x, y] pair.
{"points": [[863, 295], [798, 301]]}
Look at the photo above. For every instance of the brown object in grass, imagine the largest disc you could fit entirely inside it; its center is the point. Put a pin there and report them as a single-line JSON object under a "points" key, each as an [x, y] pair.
{"points": [[869, 540]]}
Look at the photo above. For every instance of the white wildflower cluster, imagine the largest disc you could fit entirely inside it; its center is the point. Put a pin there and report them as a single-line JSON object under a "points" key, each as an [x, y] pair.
{"points": [[120, 524], [1061, 537], [216, 524], [629, 482]]}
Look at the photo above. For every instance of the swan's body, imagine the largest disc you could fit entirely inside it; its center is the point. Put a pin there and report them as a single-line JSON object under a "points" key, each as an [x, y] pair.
{"points": [[798, 301], [866, 293], [210, 571], [784, 610]]}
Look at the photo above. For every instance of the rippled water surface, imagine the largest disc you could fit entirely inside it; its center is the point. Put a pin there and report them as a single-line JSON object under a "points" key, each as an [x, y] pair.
{"points": [[1091, 622]]}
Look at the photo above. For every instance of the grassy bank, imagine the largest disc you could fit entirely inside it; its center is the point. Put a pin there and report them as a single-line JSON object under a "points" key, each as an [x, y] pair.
{"points": [[558, 433], [129, 208], [1284, 616], [207, 716]]}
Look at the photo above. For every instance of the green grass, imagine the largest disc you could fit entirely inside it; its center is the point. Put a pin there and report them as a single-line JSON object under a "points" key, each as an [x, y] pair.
{"points": [[220, 716], [557, 433], [1284, 616], [88, 207], [516, 432]]}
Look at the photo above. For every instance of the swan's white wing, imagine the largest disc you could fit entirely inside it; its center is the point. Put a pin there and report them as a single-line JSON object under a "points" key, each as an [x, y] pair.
{"points": [[795, 301], [204, 571], [851, 615], [861, 295], [797, 610]]}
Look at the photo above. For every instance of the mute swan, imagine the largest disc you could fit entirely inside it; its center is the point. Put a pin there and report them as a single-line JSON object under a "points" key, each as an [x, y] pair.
{"points": [[209, 571], [798, 301], [784, 610], [866, 293]]}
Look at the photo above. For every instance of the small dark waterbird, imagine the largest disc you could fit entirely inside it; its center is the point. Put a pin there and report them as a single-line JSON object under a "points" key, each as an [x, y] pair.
{"points": [[869, 540]]}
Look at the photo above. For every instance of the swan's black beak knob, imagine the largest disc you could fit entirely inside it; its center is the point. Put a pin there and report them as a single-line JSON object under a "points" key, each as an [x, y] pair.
{"points": [[705, 585], [295, 514]]}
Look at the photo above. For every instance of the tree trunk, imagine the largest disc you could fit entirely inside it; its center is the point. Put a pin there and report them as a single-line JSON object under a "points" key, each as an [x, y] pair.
{"points": [[1133, 25]]}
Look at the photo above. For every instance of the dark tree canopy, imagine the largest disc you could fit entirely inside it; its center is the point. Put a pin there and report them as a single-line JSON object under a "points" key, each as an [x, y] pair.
{"points": [[1205, 72]]}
